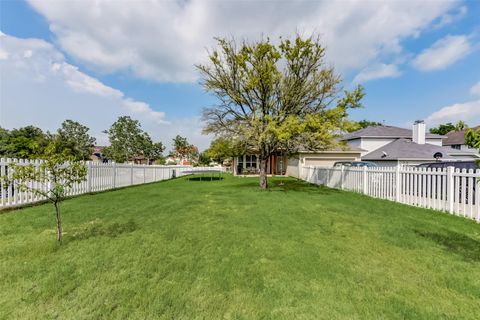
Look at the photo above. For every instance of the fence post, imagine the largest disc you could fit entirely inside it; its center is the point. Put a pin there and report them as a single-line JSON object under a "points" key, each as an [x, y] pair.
{"points": [[365, 182], [450, 188], [114, 174], [144, 173], [398, 183], [342, 171], [155, 173], [131, 174], [89, 176]]}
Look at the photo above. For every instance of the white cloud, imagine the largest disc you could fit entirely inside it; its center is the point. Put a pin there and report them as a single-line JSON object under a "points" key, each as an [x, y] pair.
{"points": [[44, 90], [376, 72], [468, 111], [475, 90], [162, 40], [443, 53]]}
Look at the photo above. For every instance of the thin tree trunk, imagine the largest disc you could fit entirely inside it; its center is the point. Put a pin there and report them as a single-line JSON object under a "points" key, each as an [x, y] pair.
{"points": [[59, 222], [263, 173]]}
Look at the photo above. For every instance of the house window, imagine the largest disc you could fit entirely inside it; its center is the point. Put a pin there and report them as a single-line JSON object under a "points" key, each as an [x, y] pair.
{"points": [[251, 161], [240, 165], [456, 146]]}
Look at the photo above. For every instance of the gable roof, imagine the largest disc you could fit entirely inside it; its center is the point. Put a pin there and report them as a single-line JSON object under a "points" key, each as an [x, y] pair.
{"points": [[456, 137], [384, 132], [408, 150]]}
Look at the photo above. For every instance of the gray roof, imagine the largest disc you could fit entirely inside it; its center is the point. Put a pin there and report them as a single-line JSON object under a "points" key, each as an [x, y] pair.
{"points": [[384, 132], [456, 137], [346, 148], [406, 149]]}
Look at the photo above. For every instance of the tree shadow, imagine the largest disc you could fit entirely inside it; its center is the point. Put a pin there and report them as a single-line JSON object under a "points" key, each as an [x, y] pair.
{"points": [[205, 179], [96, 228], [456, 243], [288, 185]]}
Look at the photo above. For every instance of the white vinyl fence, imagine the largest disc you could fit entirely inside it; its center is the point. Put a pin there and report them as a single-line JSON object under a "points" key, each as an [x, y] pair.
{"points": [[454, 191], [100, 177]]}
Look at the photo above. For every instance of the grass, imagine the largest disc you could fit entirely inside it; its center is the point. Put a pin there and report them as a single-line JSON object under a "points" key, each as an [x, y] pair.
{"points": [[225, 250]]}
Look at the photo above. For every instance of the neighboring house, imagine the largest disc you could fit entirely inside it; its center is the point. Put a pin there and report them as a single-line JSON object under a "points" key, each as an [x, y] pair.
{"points": [[456, 140], [279, 164], [97, 154], [140, 160], [415, 149], [173, 160], [374, 137]]}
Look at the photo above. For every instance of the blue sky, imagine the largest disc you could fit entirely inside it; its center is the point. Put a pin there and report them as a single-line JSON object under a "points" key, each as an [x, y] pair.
{"points": [[94, 61]]}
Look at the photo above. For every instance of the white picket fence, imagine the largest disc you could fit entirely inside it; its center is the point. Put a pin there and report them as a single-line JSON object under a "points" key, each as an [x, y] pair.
{"points": [[100, 177], [453, 191]]}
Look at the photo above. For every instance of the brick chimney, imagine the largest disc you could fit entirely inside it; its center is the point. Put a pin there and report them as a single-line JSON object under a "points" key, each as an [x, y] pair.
{"points": [[418, 135]]}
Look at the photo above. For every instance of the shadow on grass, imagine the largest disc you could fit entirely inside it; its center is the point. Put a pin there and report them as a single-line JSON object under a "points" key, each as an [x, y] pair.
{"points": [[205, 179], [288, 185], [97, 228], [456, 243]]}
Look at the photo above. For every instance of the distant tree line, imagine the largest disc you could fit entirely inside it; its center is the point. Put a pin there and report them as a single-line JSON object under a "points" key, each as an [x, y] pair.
{"points": [[445, 128], [72, 139]]}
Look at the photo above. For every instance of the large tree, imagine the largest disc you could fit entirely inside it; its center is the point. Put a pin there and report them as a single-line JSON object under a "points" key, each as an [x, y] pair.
{"points": [[72, 139], [151, 150], [128, 140], [275, 97], [221, 149]]}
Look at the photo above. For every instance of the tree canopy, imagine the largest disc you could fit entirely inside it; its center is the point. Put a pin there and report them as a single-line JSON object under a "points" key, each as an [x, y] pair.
{"points": [[276, 97], [72, 139], [472, 138], [128, 140], [28, 142], [221, 149], [445, 128], [183, 149]]}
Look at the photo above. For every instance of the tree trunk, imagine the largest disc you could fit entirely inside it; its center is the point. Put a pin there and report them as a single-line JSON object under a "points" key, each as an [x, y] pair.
{"points": [[59, 222], [263, 173]]}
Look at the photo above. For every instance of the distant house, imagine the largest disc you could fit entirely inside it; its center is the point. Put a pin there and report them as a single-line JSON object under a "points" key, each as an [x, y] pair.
{"points": [[390, 146], [174, 160], [98, 154], [456, 140]]}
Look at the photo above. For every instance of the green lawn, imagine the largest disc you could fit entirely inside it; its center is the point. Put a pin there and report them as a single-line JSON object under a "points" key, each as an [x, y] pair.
{"points": [[225, 250]]}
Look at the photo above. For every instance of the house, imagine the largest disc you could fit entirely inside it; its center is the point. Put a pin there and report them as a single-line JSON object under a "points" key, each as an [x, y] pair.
{"points": [[98, 155], [279, 164], [391, 146], [374, 137], [179, 161], [456, 140]]}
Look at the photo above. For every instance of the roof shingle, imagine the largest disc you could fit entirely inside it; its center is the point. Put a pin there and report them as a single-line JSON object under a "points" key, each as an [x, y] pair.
{"points": [[407, 149], [384, 132]]}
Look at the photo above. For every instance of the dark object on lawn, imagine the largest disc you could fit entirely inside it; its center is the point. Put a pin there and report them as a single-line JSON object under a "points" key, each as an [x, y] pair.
{"points": [[211, 174]]}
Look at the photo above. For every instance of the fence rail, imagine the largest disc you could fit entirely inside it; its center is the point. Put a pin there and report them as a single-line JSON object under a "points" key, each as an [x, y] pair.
{"points": [[454, 191], [100, 177]]}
